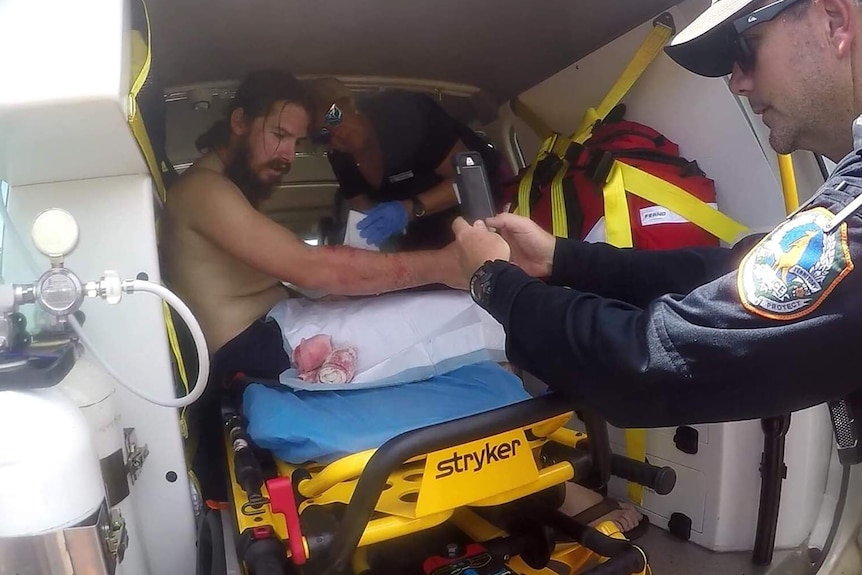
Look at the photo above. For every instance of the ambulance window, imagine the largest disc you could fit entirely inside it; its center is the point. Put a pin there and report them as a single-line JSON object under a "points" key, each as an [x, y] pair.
{"points": [[4, 197], [826, 165], [516, 147]]}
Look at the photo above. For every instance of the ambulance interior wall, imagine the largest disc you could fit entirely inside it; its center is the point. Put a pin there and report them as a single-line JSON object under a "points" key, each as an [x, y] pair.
{"points": [[65, 143], [117, 232], [709, 123], [718, 488]]}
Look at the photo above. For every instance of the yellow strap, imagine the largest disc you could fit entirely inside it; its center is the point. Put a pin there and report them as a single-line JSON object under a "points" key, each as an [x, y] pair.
{"points": [[181, 366], [618, 230], [788, 183], [636, 449], [554, 143], [624, 177], [525, 186], [142, 57], [559, 216], [531, 118], [142, 61], [144, 72], [649, 49]]}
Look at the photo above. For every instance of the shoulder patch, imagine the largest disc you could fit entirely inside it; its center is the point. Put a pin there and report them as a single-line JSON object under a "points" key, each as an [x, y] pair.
{"points": [[794, 268]]}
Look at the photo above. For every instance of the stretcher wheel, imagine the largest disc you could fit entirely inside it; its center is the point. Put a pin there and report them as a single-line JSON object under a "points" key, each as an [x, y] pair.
{"points": [[211, 551]]}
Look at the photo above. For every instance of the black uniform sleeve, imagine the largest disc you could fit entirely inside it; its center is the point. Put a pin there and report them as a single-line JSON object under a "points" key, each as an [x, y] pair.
{"points": [[440, 132], [749, 344], [412, 128], [350, 180], [638, 276]]}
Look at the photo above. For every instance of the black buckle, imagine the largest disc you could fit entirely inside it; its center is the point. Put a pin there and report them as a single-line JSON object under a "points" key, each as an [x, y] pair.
{"points": [[599, 166], [546, 168]]}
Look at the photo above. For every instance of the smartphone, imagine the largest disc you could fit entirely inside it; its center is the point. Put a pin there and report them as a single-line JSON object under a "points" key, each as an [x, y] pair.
{"points": [[472, 188]]}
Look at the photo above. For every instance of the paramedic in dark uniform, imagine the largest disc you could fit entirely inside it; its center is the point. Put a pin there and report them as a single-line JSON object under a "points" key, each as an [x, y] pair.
{"points": [[769, 326], [391, 152]]}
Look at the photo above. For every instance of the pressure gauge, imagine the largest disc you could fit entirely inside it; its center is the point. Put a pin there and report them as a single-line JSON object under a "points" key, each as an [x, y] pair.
{"points": [[55, 233]]}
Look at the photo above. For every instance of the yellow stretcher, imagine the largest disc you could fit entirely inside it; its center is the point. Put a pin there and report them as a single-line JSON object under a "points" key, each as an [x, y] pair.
{"points": [[491, 482]]}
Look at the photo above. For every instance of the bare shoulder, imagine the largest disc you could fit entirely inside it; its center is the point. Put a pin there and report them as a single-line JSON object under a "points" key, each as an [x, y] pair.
{"points": [[199, 183], [201, 193]]}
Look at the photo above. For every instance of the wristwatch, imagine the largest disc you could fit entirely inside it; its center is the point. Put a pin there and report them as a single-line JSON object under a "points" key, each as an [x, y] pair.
{"points": [[480, 284], [418, 207]]}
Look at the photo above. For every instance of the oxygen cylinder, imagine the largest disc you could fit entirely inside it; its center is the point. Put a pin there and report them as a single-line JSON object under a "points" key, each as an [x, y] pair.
{"points": [[93, 391], [49, 470]]}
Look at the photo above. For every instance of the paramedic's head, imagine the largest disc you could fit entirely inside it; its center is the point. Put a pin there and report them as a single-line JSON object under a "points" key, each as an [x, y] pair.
{"points": [[257, 141], [793, 59], [337, 123]]}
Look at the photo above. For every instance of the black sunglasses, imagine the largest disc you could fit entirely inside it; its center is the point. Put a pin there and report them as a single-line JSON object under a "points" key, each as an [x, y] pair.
{"points": [[745, 53], [332, 118]]}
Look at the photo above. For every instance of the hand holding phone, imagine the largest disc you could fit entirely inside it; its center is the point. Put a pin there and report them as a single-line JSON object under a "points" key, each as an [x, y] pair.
{"points": [[472, 187]]}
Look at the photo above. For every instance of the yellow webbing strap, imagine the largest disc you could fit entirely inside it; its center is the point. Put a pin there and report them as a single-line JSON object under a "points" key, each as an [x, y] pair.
{"points": [[531, 118], [525, 186], [181, 366], [559, 216], [141, 50], [625, 178], [649, 49], [558, 145], [788, 183], [142, 59]]}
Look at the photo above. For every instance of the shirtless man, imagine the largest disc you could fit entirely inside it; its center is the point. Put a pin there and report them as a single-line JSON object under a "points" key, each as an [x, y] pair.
{"points": [[227, 260]]}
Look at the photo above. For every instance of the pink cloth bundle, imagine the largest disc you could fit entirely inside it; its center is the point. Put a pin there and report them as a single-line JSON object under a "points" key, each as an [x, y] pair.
{"points": [[318, 362], [311, 353], [339, 367]]}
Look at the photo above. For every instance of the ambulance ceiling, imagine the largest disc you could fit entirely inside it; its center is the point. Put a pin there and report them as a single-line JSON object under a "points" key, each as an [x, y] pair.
{"points": [[501, 46]]}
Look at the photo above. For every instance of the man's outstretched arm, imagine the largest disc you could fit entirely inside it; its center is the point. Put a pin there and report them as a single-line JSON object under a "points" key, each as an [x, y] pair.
{"points": [[224, 217]]}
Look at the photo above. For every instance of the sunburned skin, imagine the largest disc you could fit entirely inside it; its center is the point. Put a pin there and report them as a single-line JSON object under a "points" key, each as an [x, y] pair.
{"points": [[359, 270]]}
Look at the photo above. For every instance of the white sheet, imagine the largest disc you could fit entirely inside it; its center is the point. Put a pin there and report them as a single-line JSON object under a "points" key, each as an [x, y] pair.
{"points": [[400, 338]]}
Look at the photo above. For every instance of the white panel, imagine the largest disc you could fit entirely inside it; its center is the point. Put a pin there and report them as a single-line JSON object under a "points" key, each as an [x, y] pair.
{"points": [[115, 216], [64, 68], [688, 496], [56, 50]]}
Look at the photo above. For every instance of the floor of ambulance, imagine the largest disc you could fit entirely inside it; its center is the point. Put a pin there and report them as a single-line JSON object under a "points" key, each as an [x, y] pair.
{"points": [[670, 556]]}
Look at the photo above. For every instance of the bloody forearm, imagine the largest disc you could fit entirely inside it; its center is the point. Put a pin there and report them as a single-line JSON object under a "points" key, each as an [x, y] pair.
{"points": [[348, 271]]}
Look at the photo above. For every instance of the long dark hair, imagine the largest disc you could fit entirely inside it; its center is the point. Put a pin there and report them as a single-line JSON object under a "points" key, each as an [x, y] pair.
{"points": [[256, 95]]}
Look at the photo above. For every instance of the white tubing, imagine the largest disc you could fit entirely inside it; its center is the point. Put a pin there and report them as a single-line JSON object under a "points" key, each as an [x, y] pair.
{"points": [[167, 295], [197, 334]]}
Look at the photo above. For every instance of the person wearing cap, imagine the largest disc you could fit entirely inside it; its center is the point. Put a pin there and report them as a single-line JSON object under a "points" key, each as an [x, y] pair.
{"points": [[766, 327], [391, 152]]}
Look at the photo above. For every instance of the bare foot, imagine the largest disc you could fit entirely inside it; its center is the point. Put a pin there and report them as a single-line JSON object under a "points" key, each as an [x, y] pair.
{"points": [[626, 518], [579, 499]]}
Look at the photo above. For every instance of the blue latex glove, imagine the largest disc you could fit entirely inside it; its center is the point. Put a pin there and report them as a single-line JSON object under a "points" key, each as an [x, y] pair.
{"points": [[382, 222]]}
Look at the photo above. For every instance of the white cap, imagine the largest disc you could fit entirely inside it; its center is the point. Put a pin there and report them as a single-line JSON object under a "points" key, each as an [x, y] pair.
{"points": [[705, 46]]}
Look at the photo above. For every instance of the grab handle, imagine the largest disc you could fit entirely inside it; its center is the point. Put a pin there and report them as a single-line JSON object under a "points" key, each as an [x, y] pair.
{"points": [[662, 480]]}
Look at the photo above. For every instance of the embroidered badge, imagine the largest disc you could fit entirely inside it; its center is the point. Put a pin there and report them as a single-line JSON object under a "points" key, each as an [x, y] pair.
{"points": [[792, 270]]}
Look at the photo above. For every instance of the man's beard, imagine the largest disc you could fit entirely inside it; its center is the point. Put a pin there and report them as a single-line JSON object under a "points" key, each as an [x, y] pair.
{"points": [[239, 170]]}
